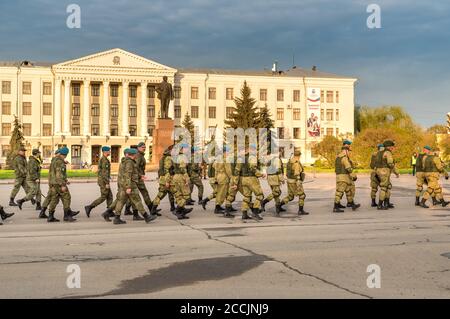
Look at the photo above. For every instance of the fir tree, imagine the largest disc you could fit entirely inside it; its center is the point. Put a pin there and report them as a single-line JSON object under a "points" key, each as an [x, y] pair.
{"points": [[15, 142], [245, 114]]}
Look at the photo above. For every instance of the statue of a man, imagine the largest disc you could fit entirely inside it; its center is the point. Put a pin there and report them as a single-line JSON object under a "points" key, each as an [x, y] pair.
{"points": [[165, 95]]}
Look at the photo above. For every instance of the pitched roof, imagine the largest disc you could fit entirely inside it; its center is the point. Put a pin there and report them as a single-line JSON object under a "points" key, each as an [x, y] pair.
{"points": [[32, 64]]}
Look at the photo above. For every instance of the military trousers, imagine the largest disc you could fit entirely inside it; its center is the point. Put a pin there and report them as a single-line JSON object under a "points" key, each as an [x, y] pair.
{"points": [[384, 175], [250, 185], [34, 191], [105, 195], [343, 185], [56, 194], [434, 188], [197, 181], [19, 182], [295, 188], [133, 197]]}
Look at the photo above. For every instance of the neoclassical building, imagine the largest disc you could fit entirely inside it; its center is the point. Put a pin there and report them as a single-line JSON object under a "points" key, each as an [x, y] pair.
{"points": [[109, 98]]}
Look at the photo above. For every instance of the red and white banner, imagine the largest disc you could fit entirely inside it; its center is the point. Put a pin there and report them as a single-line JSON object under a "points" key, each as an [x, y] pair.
{"points": [[313, 112]]}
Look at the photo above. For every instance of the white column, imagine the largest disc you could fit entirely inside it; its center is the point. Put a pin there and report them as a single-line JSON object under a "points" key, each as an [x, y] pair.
{"points": [[66, 128], [86, 109], [125, 131], [105, 108], [57, 115], [144, 119]]}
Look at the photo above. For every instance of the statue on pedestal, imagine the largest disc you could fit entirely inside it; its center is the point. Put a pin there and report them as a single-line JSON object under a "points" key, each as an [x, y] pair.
{"points": [[165, 95]]}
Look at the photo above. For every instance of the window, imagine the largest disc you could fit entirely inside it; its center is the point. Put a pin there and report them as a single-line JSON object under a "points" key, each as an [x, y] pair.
{"points": [[281, 133], [296, 95], [76, 109], [229, 94], [263, 94], [337, 115], [280, 114], [337, 131], [229, 112], [5, 150], [330, 96], [114, 130], [132, 111], [6, 87], [114, 90], [297, 132], [177, 111], [47, 88], [212, 93], [337, 96], [76, 151], [114, 111], [75, 89], [194, 112], [322, 96], [212, 112], [47, 129], [151, 111], [151, 91], [6, 108], [177, 92], [133, 91], [330, 131], [95, 110], [26, 88], [296, 114], [150, 129], [132, 129], [76, 129], [95, 90], [47, 151], [26, 108], [95, 130], [194, 92], [47, 108], [329, 115], [321, 115], [280, 95], [26, 129]]}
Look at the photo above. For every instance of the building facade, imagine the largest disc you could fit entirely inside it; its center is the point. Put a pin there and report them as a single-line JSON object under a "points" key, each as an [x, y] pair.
{"points": [[109, 98]]}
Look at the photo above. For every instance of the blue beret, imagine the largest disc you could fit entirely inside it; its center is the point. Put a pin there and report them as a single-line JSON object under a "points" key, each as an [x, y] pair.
{"points": [[380, 145], [141, 144], [427, 147], [347, 142], [106, 149], [64, 150], [130, 151]]}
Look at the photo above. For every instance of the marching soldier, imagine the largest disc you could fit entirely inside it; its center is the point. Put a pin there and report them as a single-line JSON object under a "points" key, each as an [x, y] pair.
{"points": [[57, 180], [344, 178], [433, 168], [181, 183], [420, 175], [165, 174], [4, 215], [385, 167], [33, 180], [374, 181], [48, 198], [194, 171], [141, 163], [128, 180], [103, 181], [232, 169], [295, 177], [20, 171], [222, 176], [275, 177], [212, 182]]}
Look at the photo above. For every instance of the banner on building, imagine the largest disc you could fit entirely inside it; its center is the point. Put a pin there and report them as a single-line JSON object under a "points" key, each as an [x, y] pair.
{"points": [[313, 112]]}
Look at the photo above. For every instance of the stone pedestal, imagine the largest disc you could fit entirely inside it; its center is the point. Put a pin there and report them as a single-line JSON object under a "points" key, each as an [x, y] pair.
{"points": [[162, 138]]}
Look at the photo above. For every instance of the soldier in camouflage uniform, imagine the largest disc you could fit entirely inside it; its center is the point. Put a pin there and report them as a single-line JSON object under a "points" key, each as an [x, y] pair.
{"points": [[20, 171], [295, 174], [212, 183], [48, 197], [33, 180], [222, 177], [374, 181], [433, 168], [128, 179], [57, 181], [4, 215], [385, 167], [181, 182], [275, 178], [165, 173], [344, 179], [233, 169], [194, 172], [103, 181], [420, 176], [141, 163]]}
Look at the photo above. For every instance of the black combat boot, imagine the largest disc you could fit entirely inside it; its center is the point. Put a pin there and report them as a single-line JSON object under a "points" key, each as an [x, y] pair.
{"points": [[33, 201], [374, 203], [337, 209], [172, 206], [444, 203], [4, 215], [340, 205], [149, 217], [190, 202], [154, 209], [118, 221], [228, 213], [255, 214], [204, 202], [106, 214], [73, 212], [301, 211], [218, 210], [354, 206], [128, 210], [51, 218], [281, 207], [42, 213], [20, 203], [245, 215], [263, 204], [88, 209], [179, 213], [154, 212], [277, 209], [38, 206], [389, 204], [417, 201], [349, 204], [68, 217], [11, 202], [435, 201], [185, 210], [136, 216], [423, 203], [200, 198]]}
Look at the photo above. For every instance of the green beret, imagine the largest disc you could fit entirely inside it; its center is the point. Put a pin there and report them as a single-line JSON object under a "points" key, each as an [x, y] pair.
{"points": [[130, 151], [380, 145], [347, 142], [106, 149], [141, 144], [36, 151], [64, 150], [427, 147], [388, 143]]}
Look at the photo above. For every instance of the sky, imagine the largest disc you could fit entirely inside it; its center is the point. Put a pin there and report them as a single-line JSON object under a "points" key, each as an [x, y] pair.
{"points": [[406, 62]]}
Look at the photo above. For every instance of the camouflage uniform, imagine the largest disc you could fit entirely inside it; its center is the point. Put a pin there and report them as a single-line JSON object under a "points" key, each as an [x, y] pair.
{"points": [[249, 174], [295, 176], [275, 177], [194, 172], [433, 168], [20, 171], [222, 177], [103, 181], [344, 181], [165, 174], [141, 163], [181, 182], [374, 181], [33, 181], [234, 186], [385, 166], [212, 180]]}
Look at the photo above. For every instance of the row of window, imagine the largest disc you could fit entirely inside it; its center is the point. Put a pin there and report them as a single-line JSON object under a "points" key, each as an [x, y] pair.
{"points": [[229, 94], [26, 88]]}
